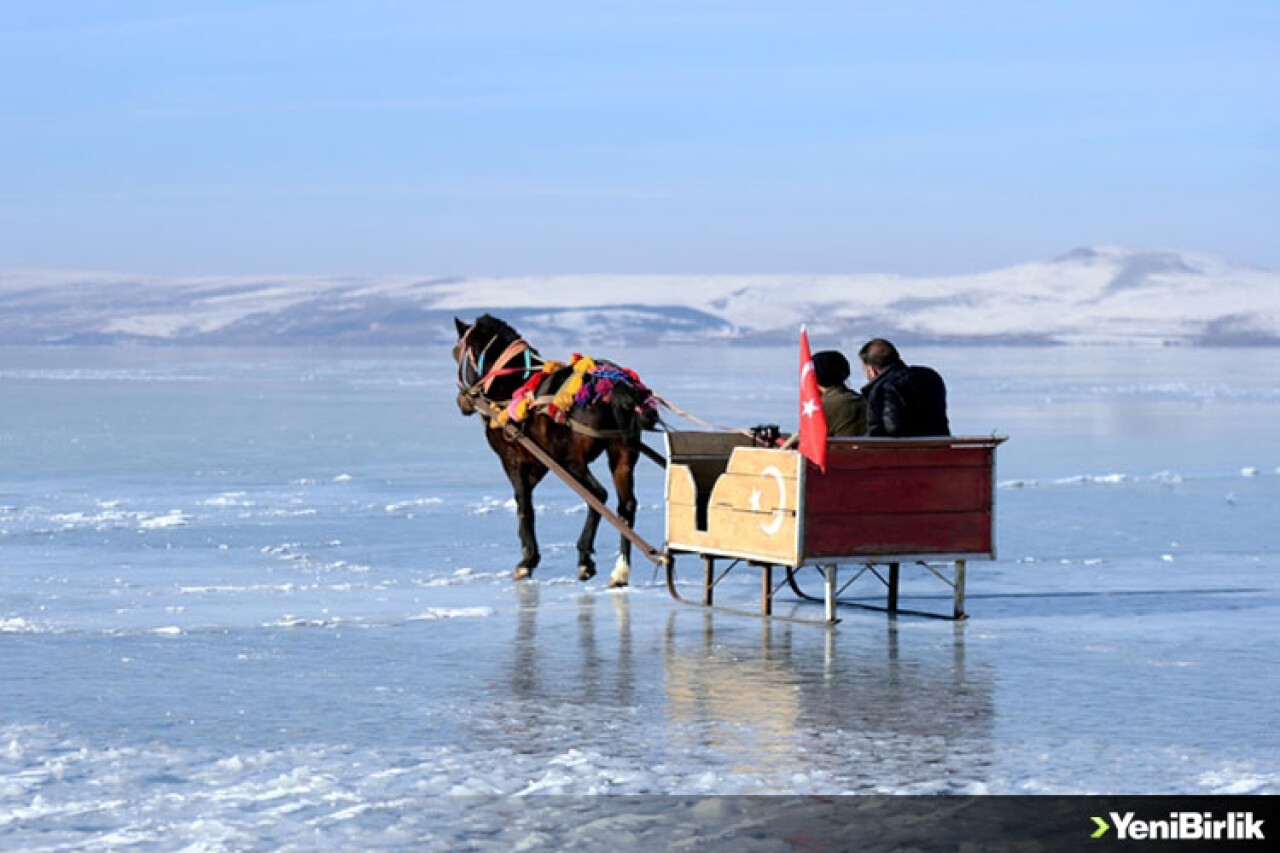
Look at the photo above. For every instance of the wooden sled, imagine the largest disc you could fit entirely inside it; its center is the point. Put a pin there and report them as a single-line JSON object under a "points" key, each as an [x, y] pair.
{"points": [[883, 502]]}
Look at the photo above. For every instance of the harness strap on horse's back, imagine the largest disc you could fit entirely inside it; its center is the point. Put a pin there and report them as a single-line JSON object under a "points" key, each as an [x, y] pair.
{"points": [[592, 432], [587, 380]]}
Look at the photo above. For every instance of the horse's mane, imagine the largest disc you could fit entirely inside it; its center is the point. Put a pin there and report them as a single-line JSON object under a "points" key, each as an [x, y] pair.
{"points": [[496, 327]]}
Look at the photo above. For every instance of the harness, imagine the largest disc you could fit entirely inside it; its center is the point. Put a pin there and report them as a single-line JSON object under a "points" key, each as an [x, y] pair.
{"points": [[587, 380], [481, 380]]}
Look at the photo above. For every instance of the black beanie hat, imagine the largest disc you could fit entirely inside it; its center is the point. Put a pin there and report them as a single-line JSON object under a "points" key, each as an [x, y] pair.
{"points": [[830, 367]]}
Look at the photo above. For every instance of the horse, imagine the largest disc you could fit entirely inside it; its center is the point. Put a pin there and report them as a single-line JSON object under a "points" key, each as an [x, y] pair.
{"points": [[573, 412]]}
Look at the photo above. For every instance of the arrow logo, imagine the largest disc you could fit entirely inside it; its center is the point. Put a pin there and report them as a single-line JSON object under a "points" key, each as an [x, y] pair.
{"points": [[1102, 828]]}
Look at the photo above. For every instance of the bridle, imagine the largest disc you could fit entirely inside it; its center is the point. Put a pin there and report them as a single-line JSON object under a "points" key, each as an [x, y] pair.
{"points": [[475, 381]]}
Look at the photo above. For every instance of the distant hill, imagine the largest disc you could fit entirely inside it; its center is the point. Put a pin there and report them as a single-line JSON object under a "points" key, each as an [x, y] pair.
{"points": [[1093, 295]]}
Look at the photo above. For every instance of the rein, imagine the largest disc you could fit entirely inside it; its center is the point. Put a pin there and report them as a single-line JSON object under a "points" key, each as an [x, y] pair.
{"points": [[483, 379], [697, 420]]}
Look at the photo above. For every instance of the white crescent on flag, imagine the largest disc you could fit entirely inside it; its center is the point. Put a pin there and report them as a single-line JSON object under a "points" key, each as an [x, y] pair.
{"points": [[778, 514], [813, 422]]}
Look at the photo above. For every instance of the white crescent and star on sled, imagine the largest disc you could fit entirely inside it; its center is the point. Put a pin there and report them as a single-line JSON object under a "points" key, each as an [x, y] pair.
{"points": [[808, 410], [771, 527]]}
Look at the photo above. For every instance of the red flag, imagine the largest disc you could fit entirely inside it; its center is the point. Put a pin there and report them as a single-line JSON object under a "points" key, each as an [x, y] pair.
{"points": [[813, 421]]}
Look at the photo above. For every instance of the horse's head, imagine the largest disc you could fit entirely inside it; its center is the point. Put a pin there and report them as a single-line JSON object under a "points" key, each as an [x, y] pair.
{"points": [[479, 344]]}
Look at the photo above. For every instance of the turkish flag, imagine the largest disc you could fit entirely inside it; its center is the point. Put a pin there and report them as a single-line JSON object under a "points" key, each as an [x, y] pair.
{"points": [[813, 421]]}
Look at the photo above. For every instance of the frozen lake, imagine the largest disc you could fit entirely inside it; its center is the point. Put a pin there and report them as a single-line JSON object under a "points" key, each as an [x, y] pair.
{"points": [[262, 600]]}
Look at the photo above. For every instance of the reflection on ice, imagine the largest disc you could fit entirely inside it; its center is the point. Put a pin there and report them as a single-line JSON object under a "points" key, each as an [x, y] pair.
{"points": [[578, 683], [717, 702], [865, 718]]}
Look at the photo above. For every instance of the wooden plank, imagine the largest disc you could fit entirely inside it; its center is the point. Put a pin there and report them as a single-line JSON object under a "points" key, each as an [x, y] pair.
{"points": [[752, 508], [690, 443], [950, 441], [766, 537], [682, 524], [754, 461], [758, 493], [897, 490], [838, 535], [858, 457], [705, 471], [680, 486]]}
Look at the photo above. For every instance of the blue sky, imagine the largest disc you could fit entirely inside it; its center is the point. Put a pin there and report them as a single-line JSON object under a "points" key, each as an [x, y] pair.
{"points": [[667, 137]]}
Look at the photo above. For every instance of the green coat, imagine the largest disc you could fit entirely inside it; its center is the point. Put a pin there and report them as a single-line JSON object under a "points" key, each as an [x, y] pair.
{"points": [[845, 410]]}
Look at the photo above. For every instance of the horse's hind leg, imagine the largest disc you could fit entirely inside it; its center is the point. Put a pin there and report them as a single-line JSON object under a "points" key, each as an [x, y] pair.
{"points": [[622, 461]]}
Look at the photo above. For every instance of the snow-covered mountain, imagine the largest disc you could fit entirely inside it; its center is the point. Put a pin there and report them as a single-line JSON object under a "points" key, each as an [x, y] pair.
{"points": [[1093, 295]]}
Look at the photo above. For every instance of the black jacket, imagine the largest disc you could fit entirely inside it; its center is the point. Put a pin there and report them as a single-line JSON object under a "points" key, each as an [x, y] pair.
{"points": [[906, 401]]}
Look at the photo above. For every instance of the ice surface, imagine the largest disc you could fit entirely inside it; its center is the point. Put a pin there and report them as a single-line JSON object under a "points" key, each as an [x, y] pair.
{"points": [[212, 639]]}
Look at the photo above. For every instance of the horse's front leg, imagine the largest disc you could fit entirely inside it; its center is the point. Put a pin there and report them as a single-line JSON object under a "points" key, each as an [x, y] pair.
{"points": [[523, 479], [587, 539], [622, 461]]}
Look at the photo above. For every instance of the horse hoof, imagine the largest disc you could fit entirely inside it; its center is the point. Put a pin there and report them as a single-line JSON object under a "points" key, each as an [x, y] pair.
{"points": [[621, 574], [586, 573], [522, 573]]}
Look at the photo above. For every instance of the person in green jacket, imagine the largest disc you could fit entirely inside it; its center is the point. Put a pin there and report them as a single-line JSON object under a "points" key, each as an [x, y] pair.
{"points": [[844, 408]]}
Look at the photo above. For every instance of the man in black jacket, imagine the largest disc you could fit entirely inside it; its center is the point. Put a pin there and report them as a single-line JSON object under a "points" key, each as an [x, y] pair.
{"points": [[902, 400]]}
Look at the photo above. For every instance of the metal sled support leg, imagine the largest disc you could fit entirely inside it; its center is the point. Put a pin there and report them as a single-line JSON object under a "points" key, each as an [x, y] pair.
{"points": [[891, 582], [767, 591], [829, 591]]}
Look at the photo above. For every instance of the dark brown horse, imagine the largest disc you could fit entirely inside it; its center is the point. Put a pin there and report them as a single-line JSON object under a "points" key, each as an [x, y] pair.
{"points": [[494, 365]]}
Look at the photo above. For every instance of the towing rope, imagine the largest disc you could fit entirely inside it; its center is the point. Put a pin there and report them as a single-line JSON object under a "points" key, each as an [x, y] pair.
{"points": [[697, 420]]}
